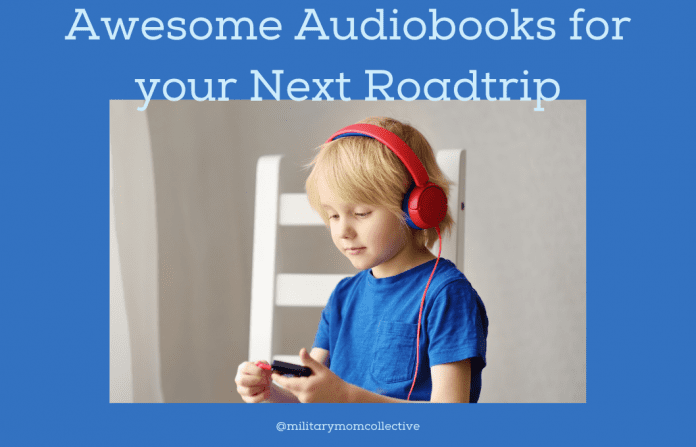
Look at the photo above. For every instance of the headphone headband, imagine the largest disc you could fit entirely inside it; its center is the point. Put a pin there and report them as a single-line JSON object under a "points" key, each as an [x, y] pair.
{"points": [[393, 142]]}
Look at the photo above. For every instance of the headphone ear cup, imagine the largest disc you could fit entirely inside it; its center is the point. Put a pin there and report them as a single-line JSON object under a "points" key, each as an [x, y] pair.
{"points": [[425, 206]]}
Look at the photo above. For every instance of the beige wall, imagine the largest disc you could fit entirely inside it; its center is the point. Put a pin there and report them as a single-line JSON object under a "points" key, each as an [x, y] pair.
{"points": [[525, 231], [135, 280]]}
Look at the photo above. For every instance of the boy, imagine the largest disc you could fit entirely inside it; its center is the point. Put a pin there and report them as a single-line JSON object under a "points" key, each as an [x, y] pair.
{"points": [[374, 342]]}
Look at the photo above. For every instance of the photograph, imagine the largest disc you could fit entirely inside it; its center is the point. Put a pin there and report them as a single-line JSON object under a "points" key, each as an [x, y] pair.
{"points": [[219, 260]]}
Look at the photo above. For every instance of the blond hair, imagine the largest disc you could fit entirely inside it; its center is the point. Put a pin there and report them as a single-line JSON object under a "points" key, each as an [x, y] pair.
{"points": [[363, 170]]}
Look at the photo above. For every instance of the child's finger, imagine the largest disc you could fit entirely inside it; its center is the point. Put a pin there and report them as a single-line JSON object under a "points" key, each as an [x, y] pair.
{"points": [[309, 362], [250, 391], [247, 368], [254, 390], [253, 380], [258, 397], [289, 383]]}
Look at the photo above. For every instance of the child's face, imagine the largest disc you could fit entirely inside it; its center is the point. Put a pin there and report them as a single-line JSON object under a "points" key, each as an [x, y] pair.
{"points": [[368, 235]]}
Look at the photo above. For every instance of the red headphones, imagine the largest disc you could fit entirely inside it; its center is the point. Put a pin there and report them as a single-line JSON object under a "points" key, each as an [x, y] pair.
{"points": [[425, 203]]}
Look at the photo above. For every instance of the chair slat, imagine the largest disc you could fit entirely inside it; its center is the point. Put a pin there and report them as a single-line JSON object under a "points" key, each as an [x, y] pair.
{"points": [[305, 290], [296, 211]]}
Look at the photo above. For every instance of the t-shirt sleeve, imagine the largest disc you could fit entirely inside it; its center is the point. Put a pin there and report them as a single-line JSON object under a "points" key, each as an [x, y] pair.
{"points": [[457, 325], [322, 339]]}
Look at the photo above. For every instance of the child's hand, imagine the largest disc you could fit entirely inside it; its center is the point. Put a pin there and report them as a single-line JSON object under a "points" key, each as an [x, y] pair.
{"points": [[253, 382], [321, 386]]}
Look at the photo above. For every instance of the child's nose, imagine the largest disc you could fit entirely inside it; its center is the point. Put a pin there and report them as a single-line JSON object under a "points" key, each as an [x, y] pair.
{"points": [[346, 230]]}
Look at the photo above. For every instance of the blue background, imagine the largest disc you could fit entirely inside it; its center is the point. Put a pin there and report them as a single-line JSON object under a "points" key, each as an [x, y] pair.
{"points": [[55, 214]]}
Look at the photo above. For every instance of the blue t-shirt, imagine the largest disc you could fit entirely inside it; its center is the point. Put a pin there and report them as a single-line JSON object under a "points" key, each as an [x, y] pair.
{"points": [[369, 327]]}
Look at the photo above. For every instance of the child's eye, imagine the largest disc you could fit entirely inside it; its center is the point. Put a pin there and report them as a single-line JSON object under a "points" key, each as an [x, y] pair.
{"points": [[362, 214], [333, 216]]}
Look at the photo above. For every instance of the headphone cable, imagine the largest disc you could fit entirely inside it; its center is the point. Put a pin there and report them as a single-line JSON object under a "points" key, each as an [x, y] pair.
{"points": [[420, 312]]}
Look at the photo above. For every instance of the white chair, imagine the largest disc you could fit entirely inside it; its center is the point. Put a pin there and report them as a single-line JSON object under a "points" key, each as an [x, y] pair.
{"points": [[286, 259]]}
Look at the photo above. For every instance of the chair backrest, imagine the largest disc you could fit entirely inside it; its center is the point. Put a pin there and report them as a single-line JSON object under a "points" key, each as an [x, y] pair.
{"points": [[294, 262]]}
